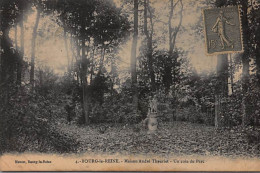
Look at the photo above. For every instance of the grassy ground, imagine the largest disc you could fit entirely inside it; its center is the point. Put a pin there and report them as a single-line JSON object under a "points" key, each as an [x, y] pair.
{"points": [[178, 138]]}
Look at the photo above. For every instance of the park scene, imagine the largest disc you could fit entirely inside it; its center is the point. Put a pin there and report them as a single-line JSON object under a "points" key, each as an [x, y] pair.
{"points": [[159, 77]]}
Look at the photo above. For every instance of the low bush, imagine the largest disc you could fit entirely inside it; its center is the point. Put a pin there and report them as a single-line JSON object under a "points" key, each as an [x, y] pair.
{"points": [[192, 115], [26, 125]]}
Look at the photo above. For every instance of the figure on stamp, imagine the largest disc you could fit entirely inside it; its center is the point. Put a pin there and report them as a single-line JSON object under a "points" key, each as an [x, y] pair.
{"points": [[219, 28]]}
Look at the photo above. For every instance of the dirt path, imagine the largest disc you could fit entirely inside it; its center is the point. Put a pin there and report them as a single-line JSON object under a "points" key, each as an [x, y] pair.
{"points": [[179, 138]]}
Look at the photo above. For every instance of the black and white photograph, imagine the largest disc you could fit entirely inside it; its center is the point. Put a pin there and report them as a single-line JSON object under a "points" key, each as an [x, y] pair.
{"points": [[129, 85]]}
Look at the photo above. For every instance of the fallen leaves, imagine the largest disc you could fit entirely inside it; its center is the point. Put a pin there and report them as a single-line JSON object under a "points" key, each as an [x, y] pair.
{"points": [[181, 138]]}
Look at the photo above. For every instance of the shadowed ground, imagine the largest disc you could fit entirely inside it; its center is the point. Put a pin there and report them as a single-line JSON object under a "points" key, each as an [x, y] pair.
{"points": [[178, 138]]}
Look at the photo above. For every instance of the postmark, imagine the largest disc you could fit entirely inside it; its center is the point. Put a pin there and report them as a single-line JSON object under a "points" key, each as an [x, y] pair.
{"points": [[223, 32]]}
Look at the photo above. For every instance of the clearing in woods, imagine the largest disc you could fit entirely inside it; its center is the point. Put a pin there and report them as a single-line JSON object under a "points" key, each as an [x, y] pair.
{"points": [[178, 138]]}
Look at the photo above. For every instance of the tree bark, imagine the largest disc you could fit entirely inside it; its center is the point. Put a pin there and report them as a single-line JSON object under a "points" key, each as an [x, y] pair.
{"points": [[222, 75], [168, 65], [34, 36], [258, 64], [92, 64], [255, 12], [20, 61], [79, 63], [86, 96], [101, 62], [66, 48], [231, 74], [149, 39], [40, 77], [168, 76], [221, 87], [245, 62], [15, 38], [72, 62], [133, 57]]}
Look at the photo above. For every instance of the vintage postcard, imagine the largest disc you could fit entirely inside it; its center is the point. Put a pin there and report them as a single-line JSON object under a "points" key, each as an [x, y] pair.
{"points": [[129, 85]]}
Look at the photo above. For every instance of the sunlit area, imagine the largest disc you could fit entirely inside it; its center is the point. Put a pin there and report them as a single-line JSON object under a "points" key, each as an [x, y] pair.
{"points": [[50, 49], [148, 77]]}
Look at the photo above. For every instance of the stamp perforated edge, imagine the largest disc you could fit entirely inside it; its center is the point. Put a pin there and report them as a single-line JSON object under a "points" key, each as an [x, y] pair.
{"points": [[240, 29]]}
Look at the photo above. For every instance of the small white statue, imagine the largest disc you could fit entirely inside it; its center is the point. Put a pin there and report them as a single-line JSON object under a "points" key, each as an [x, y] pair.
{"points": [[151, 119], [153, 105]]}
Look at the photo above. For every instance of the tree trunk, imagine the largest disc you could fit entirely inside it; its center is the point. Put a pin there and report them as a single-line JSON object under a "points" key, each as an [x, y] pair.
{"points": [[170, 30], [150, 64], [168, 65], [133, 57], [86, 97], [73, 54], [245, 86], [40, 77], [222, 75], [174, 31], [258, 64], [101, 61], [20, 61], [66, 49], [149, 40], [221, 87], [92, 65], [217, 110], [79, 63], [171, 60], [231, 74], [245, 62], [15, 38], [34, 36]]}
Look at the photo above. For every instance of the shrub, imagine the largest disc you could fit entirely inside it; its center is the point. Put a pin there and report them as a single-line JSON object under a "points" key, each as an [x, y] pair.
{"points": [[26, 125]]}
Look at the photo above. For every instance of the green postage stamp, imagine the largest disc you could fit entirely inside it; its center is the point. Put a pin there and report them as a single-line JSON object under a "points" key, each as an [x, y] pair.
{"points": [[223, 32]]}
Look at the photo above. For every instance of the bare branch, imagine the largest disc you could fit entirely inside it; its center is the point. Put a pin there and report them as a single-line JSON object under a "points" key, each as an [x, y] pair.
{"points": [[158, 20], [176, 4], [179, 25]]}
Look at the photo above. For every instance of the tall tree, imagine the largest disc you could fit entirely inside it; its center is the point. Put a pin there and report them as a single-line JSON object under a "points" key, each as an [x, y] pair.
{"points": [[149, 41], [20, 61], [231, 71], [10, 12], [86, 21], [34, 36], [245, 60], [78, 16], [255, 15], [84, 65], [171, 60], [66, 49], [15, 37], [133, 56], [221, 86]]}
